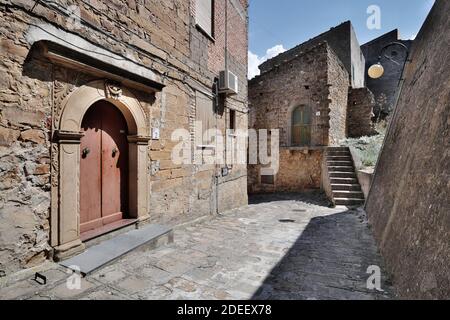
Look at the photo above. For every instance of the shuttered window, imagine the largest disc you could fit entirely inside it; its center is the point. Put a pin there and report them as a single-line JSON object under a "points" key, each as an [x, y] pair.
{"points": [[205, 111], [205, 118], [204, 15], [301, 126]]}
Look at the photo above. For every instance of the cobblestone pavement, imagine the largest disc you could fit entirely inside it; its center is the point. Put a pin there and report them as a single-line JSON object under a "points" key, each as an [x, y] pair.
{"points": [[289, 246]]}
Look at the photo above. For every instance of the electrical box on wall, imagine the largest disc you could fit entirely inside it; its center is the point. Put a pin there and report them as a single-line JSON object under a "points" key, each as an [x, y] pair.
{"points": [[225, 171], [155, 134], [228, 82]]}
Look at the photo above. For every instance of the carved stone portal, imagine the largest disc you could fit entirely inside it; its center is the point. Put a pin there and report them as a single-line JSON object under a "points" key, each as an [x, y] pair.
{"points": [[70, 105]]}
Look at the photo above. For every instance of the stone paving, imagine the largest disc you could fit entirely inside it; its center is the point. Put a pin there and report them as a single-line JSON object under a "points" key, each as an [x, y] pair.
{"points": [[289, 246]]}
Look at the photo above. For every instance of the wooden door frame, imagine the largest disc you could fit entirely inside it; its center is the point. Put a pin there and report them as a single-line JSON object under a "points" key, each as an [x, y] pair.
{"points": [[288, 122], [65, 209]]}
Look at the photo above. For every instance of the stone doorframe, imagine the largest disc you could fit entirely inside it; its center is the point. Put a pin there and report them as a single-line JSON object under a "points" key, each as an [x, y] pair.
{"points": [[65, 209]]}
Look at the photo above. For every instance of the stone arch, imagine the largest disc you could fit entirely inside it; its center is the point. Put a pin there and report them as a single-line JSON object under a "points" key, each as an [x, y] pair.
{"points": [[77, 103], [66, 211]]}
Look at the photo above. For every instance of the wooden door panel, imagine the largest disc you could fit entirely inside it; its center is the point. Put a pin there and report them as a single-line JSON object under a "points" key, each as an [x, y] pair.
{"points": [[90, 171], [114, 165], [103, 167]]}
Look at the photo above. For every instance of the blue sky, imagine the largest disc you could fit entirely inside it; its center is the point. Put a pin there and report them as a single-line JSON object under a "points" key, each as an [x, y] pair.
{"points": [[277, 25]]}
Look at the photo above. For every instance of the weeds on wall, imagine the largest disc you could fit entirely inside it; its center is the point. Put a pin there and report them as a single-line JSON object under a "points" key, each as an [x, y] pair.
{"points": [[367, 148]]}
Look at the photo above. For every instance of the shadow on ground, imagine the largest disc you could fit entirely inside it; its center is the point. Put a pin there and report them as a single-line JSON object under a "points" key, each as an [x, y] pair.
{"points": [[312, 197], [328, 261]]}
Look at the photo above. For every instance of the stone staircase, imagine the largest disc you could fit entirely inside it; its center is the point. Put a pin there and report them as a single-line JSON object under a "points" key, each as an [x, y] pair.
{"points": [[345, 187]]}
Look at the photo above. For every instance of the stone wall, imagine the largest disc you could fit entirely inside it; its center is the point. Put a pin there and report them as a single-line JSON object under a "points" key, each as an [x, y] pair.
{"points": [[342, 39], [338, 86], [300, 170], [385, 88], [317, 79], [360, 113], [160, 35], [408, 204], [303, 80]]}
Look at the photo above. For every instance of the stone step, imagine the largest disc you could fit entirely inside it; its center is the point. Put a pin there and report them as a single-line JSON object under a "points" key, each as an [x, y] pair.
{"points": [[348, 202], [338, 180], [338, 153], [110, 250], [338, 149], [346, 194], [341, 169], [340, 174], [339, 163], [348, 187], [339, 158]]}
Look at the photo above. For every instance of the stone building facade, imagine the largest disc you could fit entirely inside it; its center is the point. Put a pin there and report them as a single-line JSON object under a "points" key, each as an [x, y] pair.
{"points": [[150, 60], [342, 39], [317, 80], [324, 79], [393, 59]]}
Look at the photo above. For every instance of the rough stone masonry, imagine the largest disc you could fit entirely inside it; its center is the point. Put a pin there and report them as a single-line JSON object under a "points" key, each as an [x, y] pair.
{"points": [[412, 222], [160, 37]]}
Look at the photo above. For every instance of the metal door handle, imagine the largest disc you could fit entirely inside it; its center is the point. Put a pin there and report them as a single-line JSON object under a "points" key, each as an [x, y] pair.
{"points": [[85, 152]]}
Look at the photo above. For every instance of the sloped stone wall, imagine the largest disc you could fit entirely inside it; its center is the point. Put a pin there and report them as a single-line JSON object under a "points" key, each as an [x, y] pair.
{"points": [[408, 205]]}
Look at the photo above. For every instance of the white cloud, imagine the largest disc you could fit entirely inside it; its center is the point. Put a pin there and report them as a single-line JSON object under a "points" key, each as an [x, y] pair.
{"points": [[254, 60]]}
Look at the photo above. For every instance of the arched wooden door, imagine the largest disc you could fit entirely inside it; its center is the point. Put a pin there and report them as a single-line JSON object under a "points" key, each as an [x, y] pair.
{"points": [[301, 126], [103, 167]]}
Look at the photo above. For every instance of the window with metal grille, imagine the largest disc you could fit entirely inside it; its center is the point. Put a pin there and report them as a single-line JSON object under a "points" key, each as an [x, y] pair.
{"points": [[301, 126]]}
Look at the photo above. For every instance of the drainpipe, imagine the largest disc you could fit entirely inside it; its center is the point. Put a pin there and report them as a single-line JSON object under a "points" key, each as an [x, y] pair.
{"points": [[217, 98], [226, 35], [216, 110]]}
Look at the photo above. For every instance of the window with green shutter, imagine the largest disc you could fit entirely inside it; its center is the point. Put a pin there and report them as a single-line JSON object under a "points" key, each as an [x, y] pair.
{"points": [[301, 126]]}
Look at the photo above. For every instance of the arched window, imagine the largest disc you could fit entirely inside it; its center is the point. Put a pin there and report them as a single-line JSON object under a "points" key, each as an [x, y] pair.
{"points": [[301, 126]]}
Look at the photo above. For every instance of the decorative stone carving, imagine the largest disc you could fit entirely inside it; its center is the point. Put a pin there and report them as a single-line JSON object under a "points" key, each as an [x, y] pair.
{"points": [[71, 101], [113, 89], [60, 91], [54, 165]]}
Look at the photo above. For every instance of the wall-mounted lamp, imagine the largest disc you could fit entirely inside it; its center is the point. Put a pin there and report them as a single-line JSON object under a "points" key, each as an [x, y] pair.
{"points": [[376, 71]]}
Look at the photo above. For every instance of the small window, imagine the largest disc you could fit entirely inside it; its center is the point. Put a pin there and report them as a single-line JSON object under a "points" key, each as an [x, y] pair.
{"points": [[204, 15], [232, 120], [268, 180]]}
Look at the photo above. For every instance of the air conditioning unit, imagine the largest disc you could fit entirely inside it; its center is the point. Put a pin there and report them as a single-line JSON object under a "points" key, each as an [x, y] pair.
{"points": [[228, 82]]}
